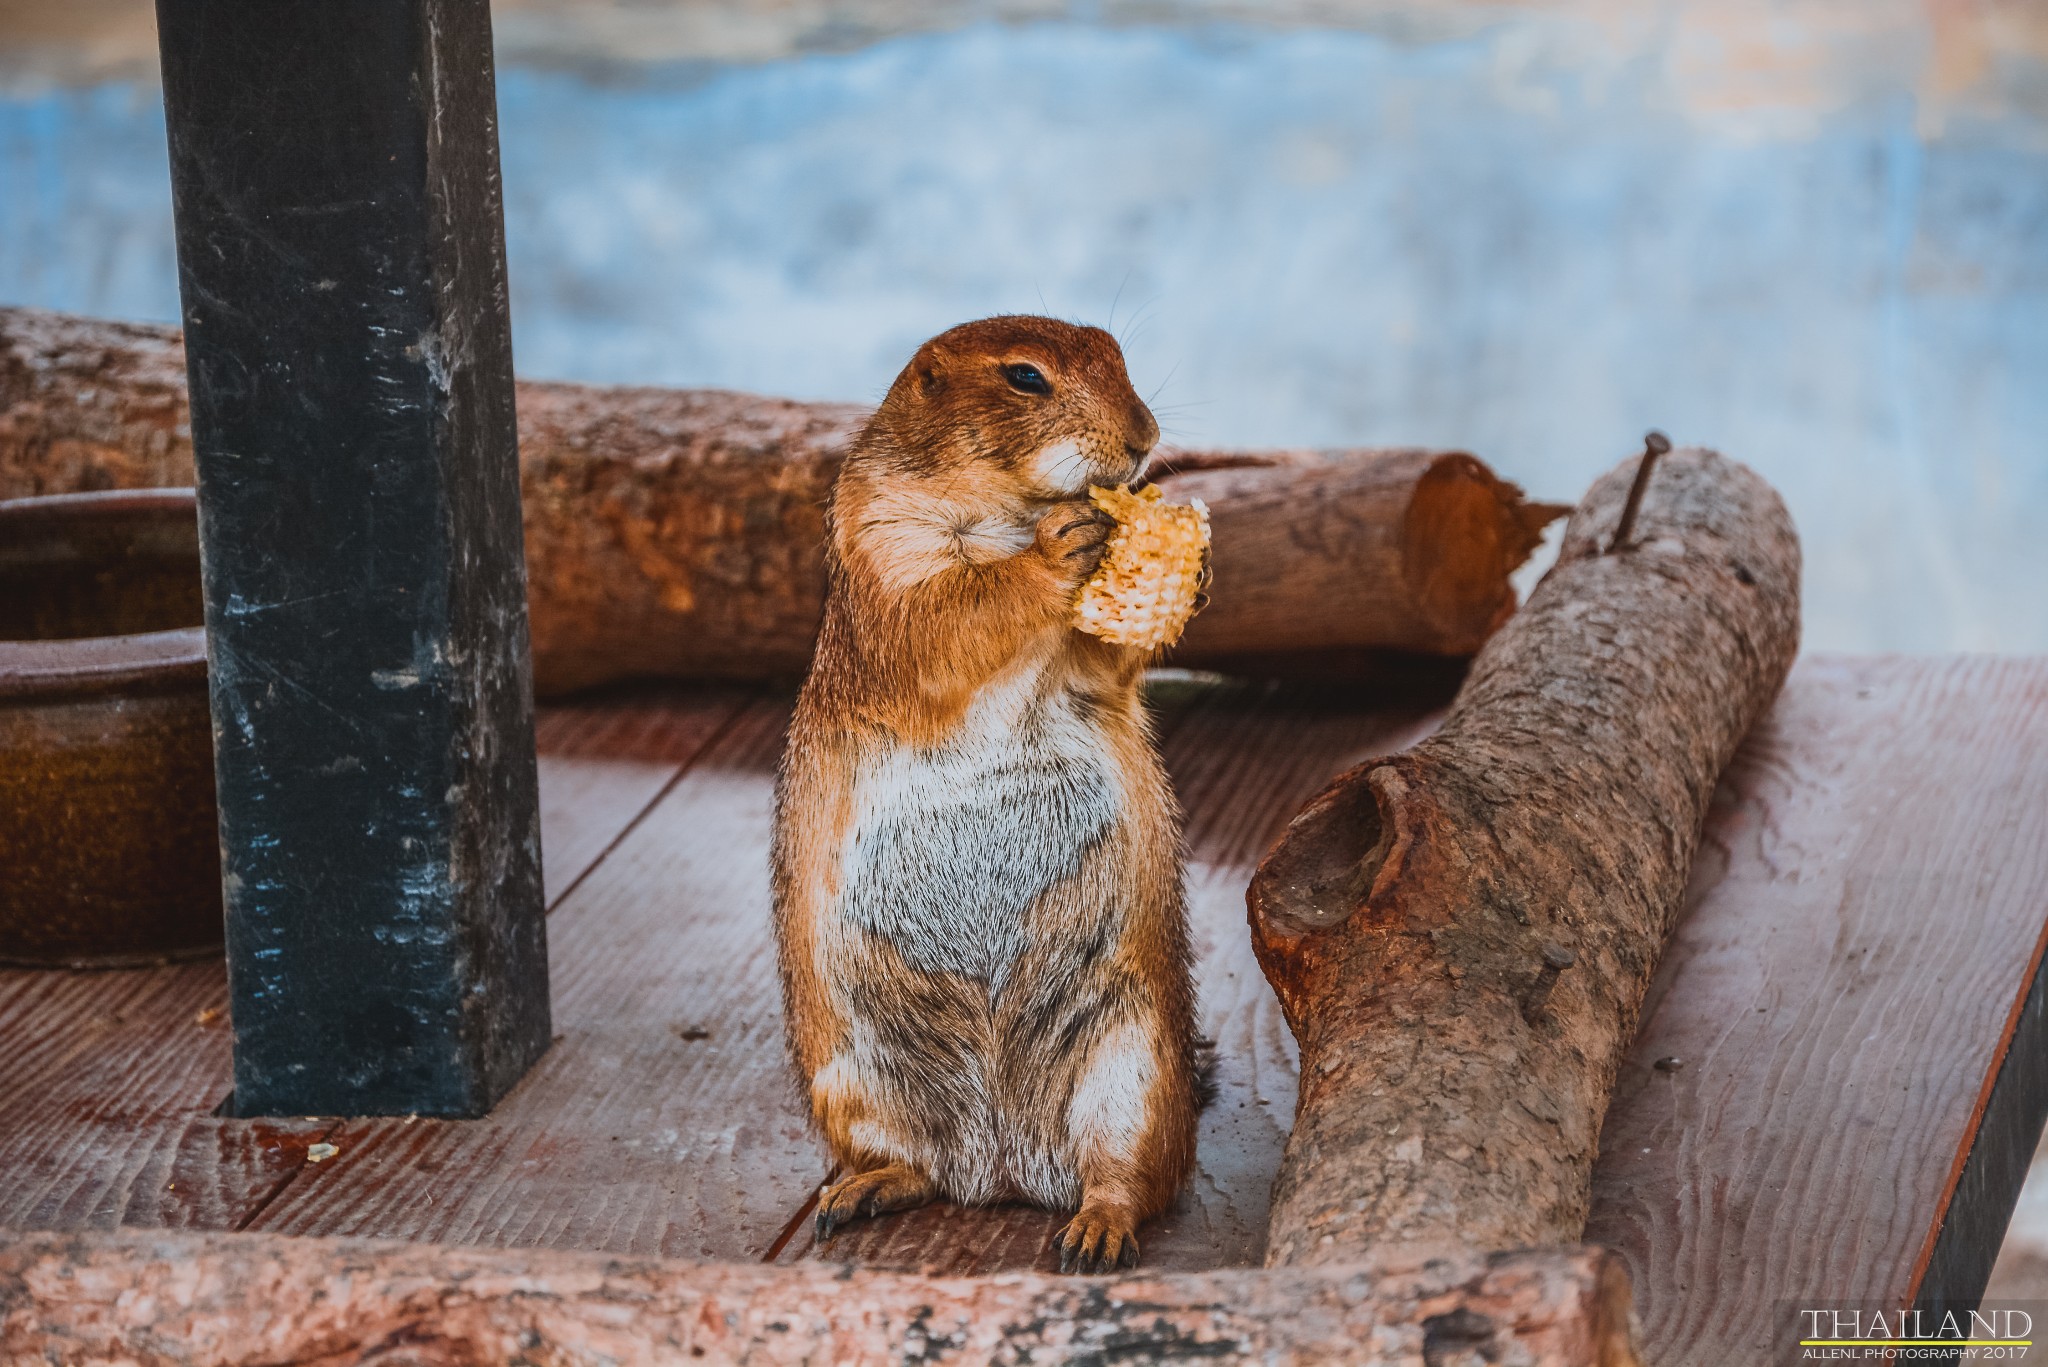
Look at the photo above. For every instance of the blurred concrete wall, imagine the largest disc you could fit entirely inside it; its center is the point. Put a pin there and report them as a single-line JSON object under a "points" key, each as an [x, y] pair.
{"points": [[1814, 234]]}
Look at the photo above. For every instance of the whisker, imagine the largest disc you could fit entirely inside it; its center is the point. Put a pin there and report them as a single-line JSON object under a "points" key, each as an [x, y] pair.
{"points": [[1175, 370], [1163, 458], [1142, 319], [1113, 303]]}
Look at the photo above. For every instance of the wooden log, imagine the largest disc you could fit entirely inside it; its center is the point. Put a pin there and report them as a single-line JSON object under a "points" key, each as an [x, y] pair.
{"points": [[1461, 936], [238, 1300], [681, 532], [1322, 555]]}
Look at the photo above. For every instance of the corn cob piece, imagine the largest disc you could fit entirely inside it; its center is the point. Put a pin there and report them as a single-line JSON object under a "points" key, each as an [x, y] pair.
{"points": [[1145, 590]]}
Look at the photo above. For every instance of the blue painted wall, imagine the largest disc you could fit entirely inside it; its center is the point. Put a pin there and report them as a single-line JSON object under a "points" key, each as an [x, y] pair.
{"points": [[1529, 245]]}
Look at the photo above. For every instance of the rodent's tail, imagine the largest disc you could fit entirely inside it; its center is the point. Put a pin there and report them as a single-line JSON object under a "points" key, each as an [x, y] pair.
{"points": [[1205, 1072]]}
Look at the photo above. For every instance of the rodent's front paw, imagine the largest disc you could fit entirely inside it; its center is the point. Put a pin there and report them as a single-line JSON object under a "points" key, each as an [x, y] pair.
{"points": [[1102, 1238], [1072, 536]]}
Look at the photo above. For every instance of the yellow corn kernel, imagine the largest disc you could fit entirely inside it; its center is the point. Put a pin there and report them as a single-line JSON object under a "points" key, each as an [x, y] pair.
{"points": [[1144, 591]]}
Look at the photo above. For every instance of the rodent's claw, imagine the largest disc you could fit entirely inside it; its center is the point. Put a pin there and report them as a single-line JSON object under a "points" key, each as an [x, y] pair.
{"points": [[1075, 533], [874, 1192], [1100, 1239], [825, 1225], [1094, 518], [829, 1222], [1086, 536]]}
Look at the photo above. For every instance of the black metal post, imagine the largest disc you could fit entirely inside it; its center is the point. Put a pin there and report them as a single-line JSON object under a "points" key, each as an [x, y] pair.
{"points": [[341, 256]]}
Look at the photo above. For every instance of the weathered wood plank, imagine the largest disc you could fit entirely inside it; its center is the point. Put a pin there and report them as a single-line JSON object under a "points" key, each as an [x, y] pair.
{"points": [[1953, 1271], [605, 759], [662, 1121], [109, 1081], [1866, 908], [1242, 760], [107, 1091]]}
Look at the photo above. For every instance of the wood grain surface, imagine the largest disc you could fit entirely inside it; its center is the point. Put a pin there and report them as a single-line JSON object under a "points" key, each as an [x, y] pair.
{"points": [[605, 758], [110, 1081], [108, 1084], [1864, 915], [1983, 1212]]}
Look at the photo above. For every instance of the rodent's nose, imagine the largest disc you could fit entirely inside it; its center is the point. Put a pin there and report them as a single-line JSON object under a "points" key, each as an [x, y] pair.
{"points": [[1144, 433]]}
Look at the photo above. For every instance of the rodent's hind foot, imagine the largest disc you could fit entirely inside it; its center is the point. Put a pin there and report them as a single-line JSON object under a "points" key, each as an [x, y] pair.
{"points": [[1102, 1238], [874, 1192]]}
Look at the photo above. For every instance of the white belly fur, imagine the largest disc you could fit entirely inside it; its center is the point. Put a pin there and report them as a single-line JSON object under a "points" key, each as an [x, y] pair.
{"points": [[950, 846]]}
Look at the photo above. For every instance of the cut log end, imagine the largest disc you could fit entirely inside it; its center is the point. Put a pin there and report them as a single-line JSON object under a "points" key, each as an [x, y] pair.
{"points": [[1464, 532]]}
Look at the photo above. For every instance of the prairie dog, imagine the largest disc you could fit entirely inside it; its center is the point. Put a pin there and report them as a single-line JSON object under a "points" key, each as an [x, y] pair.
{"points": [[979, 910]]}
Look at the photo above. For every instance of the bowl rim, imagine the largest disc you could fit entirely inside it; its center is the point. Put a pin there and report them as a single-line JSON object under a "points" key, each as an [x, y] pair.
{"points": [[170, 497], [149, 661]]}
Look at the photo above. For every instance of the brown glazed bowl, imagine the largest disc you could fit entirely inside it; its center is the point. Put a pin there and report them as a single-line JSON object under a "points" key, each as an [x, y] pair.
{"points": [[109, 851]]}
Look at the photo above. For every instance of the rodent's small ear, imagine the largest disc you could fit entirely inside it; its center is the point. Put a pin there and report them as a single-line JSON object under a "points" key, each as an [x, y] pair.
{"points": [[928, 377]]}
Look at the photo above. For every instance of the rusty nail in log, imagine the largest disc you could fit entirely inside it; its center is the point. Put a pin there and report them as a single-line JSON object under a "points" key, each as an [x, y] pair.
{"points": [[1556, 959], [1655, 444]]}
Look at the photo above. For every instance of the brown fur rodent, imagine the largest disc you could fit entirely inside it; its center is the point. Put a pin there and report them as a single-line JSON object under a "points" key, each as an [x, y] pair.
{"points": [[978, 887]]}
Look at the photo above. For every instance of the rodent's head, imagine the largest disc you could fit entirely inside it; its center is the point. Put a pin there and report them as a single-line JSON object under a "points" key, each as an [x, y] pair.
{"points": [[1041, 407]]}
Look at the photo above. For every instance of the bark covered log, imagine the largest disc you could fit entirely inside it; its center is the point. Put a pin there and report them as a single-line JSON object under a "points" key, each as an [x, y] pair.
{"points": [[681, 532], [1462, 935], [238, 1300]]}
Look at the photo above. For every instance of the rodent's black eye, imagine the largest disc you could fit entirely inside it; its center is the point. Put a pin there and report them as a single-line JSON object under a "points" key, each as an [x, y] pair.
{"points": [[1027, 378]]}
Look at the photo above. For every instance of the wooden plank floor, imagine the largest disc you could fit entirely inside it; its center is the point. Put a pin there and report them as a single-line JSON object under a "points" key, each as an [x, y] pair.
{"points": [[1864, 920], [1868, 913]]}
